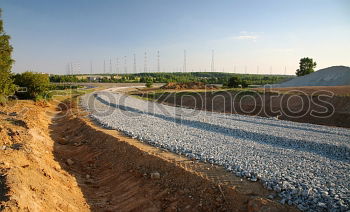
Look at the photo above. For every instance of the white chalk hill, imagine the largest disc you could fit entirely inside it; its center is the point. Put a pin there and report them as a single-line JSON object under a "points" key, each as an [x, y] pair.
{"points": [[331, 76]]}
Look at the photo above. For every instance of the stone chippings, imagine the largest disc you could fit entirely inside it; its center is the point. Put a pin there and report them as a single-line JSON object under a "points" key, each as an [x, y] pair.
{"points": [[307, 165]]}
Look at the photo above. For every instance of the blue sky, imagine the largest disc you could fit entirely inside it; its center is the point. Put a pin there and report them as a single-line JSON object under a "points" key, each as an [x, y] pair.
{"points": [[245, 35]]}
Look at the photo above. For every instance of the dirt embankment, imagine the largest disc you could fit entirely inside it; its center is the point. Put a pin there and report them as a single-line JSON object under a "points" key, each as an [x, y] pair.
{"points": [[311, 90], [69, 164], [290, 104]]}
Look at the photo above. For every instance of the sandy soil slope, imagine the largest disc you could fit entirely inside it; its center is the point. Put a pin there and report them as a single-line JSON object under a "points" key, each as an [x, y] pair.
{"points": [[62, 162]]}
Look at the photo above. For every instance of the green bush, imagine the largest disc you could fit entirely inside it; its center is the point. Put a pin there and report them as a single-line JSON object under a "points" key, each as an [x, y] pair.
{"points": [[33, 85]]}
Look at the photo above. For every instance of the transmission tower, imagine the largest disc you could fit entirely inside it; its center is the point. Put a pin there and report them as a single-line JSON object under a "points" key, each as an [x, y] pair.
{"points": [[135, 70], [145, 63], [79, 68], [117, 66], [212, 61], [74, 68], [91, 67], [125, 67], [71, 69], [68, 71], [158, 61], [184, 68], [257, 69], [270, 70], [110, 65], [104, 66]]}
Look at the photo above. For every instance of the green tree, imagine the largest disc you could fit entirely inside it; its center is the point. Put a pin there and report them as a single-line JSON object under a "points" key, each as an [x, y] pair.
{"points": [[306, 66], [233, 82], [6, 83], [35, 85], [244, 84]]}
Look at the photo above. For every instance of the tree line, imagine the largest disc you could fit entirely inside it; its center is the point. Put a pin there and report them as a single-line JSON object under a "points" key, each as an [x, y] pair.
{"points": [[206, 77]]}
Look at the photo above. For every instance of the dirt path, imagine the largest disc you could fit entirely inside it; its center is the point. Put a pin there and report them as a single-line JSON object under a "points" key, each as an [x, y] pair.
{"points": [[67, 163]]}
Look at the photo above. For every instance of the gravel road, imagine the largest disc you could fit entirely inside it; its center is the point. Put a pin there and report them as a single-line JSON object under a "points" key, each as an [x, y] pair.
{"points": [[308, 165]]}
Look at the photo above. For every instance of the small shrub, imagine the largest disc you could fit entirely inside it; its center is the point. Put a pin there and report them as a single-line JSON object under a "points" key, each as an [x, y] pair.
{"points": [[3, 99], [149, 84]]}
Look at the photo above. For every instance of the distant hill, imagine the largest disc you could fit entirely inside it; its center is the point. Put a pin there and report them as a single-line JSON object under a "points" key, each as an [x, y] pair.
{"points": [[331, 76]]}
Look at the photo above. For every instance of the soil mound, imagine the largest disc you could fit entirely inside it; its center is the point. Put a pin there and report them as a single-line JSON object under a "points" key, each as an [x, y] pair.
{"points": [[332, 76]]}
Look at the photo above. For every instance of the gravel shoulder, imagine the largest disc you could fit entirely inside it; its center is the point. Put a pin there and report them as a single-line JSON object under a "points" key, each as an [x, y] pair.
{"points": [[308, 165]]}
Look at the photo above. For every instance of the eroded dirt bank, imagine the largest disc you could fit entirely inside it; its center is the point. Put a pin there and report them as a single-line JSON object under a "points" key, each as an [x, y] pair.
{"points": [[64, 162], [32, 180]]}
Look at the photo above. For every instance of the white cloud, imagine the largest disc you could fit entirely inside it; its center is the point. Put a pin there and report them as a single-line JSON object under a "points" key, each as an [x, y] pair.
{"points": [[245, 37], [283, 50]]}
